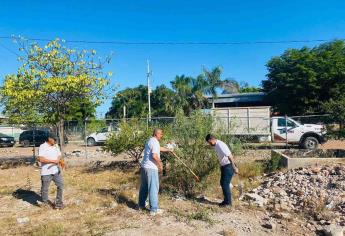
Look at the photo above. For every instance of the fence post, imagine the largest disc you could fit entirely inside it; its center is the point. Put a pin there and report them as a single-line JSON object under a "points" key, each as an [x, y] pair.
{"points": [[286, 133], [34, 142], [85, 137]]}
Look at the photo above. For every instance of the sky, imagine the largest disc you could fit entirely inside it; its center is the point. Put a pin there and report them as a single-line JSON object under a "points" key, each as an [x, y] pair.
{"points": [[173, 21]]}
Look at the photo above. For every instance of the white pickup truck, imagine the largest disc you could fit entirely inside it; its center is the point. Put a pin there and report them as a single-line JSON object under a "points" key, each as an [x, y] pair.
{"points": [[256, 122]]}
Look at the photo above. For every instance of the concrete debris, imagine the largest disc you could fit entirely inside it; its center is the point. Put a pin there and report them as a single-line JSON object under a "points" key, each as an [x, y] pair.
{"points": [[305, 190]]}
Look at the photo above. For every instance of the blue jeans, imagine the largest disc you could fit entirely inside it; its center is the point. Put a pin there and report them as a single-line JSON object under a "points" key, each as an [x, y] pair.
{"points": [[227, 172], [149, 186]]}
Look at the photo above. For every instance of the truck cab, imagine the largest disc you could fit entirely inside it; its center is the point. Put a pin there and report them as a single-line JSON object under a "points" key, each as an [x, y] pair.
{"points": [[287, 130]]}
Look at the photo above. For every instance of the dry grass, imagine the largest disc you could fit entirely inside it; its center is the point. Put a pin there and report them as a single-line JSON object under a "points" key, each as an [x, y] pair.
{"points": [[96, 203], [99, 202], [90, 199]]}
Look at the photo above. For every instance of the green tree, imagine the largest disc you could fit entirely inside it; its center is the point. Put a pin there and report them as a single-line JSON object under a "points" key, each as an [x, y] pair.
{"points": [[336, 109], [135, 100], [162, 102], [51, 82], [301, 80], [130, 139], [213, 80], [189, 93]]}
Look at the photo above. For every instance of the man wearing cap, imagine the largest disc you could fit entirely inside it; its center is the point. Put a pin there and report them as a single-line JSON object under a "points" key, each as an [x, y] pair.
{"points": [[228, 167], [49, 156]]}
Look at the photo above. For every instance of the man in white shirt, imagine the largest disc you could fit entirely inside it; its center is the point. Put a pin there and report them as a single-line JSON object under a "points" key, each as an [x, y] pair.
{"points": [[228, 167], [49, 156], [149, 177]]}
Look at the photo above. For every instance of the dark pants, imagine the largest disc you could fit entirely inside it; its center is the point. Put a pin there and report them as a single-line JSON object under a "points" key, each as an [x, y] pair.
{"points": [[227, 172], [46, 179]]}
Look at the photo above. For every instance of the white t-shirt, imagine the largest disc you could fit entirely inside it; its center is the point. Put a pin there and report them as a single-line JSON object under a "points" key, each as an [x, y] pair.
{"points": [[223, 152], [151, 147], [50, 153]]}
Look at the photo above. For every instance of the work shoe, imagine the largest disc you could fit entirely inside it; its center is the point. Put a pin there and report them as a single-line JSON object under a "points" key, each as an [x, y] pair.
{"points": [[59, 206], [224, 205], [43, 204], [158, 212], [142, 208]]}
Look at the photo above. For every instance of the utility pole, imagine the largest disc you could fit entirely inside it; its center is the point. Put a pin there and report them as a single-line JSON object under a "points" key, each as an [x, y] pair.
{"points": [[148, 74], [124, 112]]}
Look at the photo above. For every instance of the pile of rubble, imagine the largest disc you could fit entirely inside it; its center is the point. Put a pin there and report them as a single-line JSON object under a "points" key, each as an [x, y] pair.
{"points": [[88, 153], [319, 192]]}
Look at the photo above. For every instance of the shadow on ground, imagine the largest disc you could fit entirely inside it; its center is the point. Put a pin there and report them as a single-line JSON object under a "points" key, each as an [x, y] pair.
{"points": [[27, 196], [120, 198], [204, 200], [114, 165]]}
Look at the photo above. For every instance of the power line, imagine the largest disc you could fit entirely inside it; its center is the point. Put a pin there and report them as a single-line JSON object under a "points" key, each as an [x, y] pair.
{"points": [[9, 50], [181, 42]]}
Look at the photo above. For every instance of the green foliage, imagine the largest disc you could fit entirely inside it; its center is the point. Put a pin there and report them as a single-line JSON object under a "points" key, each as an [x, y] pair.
{"points": [[130, 139], [135, 100], [162, 102], [95, 125], [336, 109], [274, 163], [300, 80], [250, 169], [188, 93], [52, 83], [189, 133]]}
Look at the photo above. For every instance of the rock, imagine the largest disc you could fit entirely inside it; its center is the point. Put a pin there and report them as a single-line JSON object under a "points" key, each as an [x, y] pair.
{"points": [[257, 199], [270, 225], [23, 220], [113, 205], [333, 230]]}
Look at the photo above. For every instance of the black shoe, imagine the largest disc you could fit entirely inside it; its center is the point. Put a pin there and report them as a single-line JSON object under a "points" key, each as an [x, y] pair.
{"points": [[224, 205]]}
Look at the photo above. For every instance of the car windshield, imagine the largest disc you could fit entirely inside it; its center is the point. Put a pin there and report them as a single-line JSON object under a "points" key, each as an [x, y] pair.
{"points": [[2, 134]]}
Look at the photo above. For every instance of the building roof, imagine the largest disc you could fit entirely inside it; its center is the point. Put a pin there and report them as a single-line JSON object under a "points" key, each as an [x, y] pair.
{"points": [[237, 98]]}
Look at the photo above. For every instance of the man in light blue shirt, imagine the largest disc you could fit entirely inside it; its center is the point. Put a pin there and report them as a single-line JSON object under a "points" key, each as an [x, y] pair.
{"points": [[149, 177]]}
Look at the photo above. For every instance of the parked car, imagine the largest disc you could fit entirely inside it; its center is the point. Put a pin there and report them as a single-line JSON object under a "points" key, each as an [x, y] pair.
{"points": [[6, 140], [99, 137], [27, 137]]}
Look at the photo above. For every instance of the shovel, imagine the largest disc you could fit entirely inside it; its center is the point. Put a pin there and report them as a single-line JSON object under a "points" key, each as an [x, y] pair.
{"points": [[190, 170], [239, 186]]}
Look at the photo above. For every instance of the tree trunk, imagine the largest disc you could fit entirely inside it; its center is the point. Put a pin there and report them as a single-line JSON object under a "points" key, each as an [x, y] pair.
{"points": [[61, 133]]}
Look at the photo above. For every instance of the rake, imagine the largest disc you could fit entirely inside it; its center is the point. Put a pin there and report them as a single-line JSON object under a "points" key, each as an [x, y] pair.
{"points": [[190, 170]]}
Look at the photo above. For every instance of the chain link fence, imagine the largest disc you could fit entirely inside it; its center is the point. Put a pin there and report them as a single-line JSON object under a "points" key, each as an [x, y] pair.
{"points": [[85, 138]]}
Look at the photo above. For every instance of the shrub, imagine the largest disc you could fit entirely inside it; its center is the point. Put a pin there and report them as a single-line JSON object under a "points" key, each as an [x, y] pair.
{"points": [[130, 139], [189, 133], [274, 163]]}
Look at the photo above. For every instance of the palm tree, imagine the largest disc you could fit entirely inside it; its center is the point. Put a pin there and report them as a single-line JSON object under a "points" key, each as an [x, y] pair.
{"points": [[230, 86], [213, 81], [183, 89]]}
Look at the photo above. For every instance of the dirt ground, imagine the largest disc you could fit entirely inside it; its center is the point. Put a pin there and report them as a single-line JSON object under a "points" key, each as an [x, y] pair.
{"points": [[334, 144], [101, 195], [101, 200]]}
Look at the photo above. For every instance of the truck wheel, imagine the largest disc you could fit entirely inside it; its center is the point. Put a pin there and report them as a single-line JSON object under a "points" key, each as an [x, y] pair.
{"points": [[91, 142], [310, 143]]}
